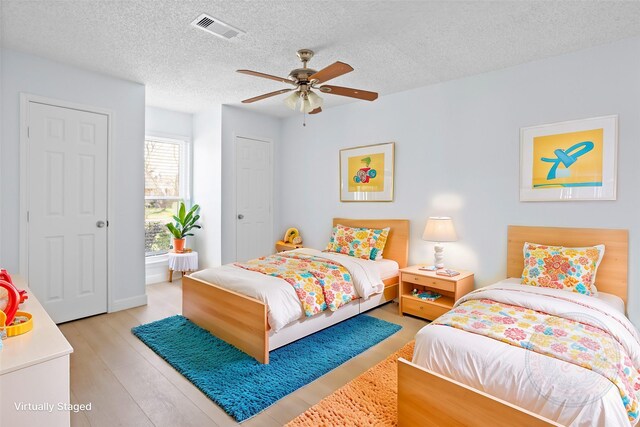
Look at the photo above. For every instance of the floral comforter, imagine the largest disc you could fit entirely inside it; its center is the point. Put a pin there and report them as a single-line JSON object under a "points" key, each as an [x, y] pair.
{"points": [[580, 342], [569, 357], [320, 283]]}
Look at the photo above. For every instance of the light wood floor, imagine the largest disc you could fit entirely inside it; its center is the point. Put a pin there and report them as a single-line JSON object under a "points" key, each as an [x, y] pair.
{"points": [[129, 385]]}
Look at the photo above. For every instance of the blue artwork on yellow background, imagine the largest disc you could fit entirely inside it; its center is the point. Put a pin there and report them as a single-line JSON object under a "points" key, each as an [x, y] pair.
{"points": [[568, 160]]}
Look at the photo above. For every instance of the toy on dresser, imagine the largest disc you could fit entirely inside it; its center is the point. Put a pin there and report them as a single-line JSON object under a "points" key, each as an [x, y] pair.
{"points": [[292, 236], [12, 321]]}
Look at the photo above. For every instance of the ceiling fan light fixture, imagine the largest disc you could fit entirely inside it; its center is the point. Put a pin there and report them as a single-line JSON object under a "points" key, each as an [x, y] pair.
{"points": [[291, 101], [310, 101], [305, 107], [314, 100]]}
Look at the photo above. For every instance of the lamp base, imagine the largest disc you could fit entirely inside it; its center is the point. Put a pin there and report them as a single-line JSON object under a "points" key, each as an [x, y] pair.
{"points": [[439, 255]]}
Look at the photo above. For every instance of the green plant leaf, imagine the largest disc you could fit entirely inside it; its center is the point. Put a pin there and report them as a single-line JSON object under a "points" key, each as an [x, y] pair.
{"points": [[188, 218], [181, 212], [176, 233], [190, 224]]}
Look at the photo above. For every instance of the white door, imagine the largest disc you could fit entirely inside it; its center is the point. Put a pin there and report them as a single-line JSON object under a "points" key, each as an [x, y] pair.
{"points": [[67, 210], [253, 199]]}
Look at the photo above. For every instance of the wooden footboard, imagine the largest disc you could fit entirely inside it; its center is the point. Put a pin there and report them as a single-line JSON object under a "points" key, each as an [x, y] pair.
{"points": [[426, 398], [237, 319]]}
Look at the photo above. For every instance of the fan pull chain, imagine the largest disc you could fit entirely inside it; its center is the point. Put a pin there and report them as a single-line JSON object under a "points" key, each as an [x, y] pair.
{"points": [[304, 119]]}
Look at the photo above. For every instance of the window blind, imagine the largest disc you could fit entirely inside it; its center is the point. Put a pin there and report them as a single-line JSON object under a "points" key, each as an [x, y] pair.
{"points": [[162, 162]]}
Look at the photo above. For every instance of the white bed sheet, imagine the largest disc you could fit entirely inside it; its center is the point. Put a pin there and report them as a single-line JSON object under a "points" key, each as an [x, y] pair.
{"points": [[283, 304], [387, 268], [573, 395], [613, 300]]}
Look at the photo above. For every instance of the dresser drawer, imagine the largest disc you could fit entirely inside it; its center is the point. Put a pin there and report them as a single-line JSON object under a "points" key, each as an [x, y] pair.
{"points": [[432, 282], [422, 309]]}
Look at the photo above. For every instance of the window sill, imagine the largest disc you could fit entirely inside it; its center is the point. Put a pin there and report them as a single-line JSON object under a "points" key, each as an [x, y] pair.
{"points": [[156, 259]]}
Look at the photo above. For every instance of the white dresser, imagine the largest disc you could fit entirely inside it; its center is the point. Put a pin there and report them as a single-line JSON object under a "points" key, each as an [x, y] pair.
{"points": [[34, 372]]}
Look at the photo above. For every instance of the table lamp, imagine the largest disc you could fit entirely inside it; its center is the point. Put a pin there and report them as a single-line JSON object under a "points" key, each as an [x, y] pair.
{"points": [[439, 229]]}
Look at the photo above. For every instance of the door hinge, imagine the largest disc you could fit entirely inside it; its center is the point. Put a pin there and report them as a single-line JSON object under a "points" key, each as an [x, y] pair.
{"points": [[28, 132], [27, 216], [107, 223]]}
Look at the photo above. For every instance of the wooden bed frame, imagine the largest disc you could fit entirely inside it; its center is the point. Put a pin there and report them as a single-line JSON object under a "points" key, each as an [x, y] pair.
{"points": [[242, 321], [426, 398]]}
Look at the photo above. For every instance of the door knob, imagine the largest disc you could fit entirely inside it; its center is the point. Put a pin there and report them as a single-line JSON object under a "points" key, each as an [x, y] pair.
{"points": [[240, 216], [100, 224]]}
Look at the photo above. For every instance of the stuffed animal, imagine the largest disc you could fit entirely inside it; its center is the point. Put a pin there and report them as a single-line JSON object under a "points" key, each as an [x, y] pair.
{"points": [[292, 236]]}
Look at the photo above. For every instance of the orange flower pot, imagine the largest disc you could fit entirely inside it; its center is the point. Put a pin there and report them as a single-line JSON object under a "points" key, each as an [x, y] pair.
{"points": [[178, 245]]}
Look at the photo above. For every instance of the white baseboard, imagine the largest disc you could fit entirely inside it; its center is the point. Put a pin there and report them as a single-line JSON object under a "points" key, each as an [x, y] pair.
{"points": [[150, 279], [125, 303]]}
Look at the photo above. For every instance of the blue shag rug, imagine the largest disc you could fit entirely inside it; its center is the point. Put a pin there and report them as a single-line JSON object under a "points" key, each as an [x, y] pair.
{"points": [[237, 382]]}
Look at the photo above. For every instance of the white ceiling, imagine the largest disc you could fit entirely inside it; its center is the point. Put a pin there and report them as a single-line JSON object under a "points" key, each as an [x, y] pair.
{"points": [[393, 45]]}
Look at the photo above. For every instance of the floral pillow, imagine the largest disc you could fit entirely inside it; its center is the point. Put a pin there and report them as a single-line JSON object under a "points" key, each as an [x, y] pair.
{"points": [[381, 236], [355, 242], [570, 269]]}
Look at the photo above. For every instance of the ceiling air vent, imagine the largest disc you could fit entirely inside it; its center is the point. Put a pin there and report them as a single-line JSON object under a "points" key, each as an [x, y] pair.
{"points": [[216, 27]]}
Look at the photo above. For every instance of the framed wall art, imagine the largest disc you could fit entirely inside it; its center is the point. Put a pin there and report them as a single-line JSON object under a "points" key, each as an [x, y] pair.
{"points": [[366, 173], [566, 161]]}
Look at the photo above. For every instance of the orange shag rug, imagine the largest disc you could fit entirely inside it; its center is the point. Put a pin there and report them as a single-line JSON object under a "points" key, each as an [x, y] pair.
{"points": [[369, 400]]}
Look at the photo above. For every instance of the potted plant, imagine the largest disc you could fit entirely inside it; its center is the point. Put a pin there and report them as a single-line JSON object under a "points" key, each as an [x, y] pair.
{"points": [[185, 222]]}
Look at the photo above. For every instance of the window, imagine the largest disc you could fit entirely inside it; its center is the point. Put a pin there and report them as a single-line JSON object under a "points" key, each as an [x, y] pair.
{"points": [[166, 183]]}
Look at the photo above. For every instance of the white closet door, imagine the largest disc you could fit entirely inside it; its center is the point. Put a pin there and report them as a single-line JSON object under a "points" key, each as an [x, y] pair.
{"points": [[67, 204], [254, 223]]}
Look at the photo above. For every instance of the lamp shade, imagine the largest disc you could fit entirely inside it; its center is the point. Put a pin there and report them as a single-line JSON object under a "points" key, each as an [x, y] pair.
{"points": [[314, 100], [439, 229], [291, 101]]}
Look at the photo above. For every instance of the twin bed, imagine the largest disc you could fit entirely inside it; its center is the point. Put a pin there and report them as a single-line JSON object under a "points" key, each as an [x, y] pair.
{"points": [[226, 302], [459, 376]]}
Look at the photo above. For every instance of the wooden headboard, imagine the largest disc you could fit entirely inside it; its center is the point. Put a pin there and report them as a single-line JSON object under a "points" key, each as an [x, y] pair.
{"points": [[612, 273], [397, 247]]}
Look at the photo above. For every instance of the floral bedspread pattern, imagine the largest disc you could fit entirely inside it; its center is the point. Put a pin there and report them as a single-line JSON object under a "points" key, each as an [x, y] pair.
{"points": [[581, 344], [320, 283]]}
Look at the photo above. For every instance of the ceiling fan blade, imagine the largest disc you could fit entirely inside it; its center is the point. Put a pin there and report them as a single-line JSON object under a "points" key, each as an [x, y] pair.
{"points": [[347, 91], [266, 76], [266, 95], [316, 111], [331, 72]]}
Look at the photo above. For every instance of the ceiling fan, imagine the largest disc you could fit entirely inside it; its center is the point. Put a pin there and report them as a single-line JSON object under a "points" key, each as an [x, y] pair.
{"points": [[305, 79]]}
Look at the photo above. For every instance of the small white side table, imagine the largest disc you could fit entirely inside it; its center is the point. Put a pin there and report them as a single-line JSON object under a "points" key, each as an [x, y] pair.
{"points": [[184, 262]]}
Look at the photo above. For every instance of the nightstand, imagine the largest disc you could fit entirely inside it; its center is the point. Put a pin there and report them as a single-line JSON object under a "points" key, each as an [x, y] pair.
{"points": [[451, 289], [282, 246]]}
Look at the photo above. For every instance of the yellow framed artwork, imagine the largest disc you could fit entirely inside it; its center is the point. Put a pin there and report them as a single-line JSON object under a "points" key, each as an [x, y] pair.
{"points": [[574, 160], [366, 173]]}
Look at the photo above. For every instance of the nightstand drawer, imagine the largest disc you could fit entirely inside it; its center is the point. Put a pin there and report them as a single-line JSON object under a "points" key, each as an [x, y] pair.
{"points": [[444, 285], [422, 309]]}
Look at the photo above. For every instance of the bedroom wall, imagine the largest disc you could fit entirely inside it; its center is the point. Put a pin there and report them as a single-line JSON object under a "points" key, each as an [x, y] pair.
{"points": [[457, 154], [207, 184], [239, 122], [168, 124], [34, 75]]}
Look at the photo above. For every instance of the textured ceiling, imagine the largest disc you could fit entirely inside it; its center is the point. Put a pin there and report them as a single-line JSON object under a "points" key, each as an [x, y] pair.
{"points": [[393, 45]]}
